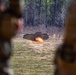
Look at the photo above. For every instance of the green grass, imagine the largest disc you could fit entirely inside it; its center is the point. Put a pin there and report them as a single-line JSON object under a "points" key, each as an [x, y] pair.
{"points": [[25, 61]]}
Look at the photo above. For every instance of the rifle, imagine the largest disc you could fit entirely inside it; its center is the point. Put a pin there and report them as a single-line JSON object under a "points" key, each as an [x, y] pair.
{"points": [[65, 56]]}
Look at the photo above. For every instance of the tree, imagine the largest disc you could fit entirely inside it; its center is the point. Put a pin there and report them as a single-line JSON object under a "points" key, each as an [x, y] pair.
{"points": [[48, 12]]}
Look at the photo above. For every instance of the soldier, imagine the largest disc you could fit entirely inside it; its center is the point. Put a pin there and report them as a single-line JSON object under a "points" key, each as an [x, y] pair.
{"points": [[10, 22], [65, 57]]}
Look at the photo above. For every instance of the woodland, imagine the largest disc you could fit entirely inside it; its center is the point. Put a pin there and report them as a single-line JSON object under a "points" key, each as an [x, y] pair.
{"points": [[42, 14], [46, 12]]}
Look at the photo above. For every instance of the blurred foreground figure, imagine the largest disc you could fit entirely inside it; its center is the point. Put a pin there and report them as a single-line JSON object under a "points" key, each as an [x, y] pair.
{"points": [[10, 19], [65, 58]]}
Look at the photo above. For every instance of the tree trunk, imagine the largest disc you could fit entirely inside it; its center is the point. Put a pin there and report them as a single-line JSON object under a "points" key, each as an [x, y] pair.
{"points": [[46, 13], [40, 11]]}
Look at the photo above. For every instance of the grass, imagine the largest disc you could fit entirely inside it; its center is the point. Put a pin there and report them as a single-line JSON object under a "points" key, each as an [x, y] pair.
{"points": [[25, 61]]}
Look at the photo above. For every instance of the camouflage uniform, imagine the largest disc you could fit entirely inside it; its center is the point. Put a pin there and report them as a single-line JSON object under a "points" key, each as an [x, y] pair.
{"points": [[5, 53]]}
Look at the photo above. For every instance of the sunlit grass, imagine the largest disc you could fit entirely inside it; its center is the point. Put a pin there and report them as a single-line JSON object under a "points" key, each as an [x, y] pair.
{"points": [[27, 62]]}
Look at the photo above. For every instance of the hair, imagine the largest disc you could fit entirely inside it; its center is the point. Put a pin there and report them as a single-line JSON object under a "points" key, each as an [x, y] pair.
{"points": [[9, 19]]}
